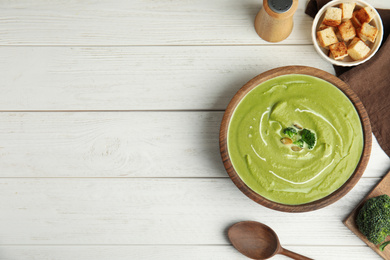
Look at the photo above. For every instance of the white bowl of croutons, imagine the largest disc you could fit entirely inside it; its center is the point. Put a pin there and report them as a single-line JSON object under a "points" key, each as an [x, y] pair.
{"points": [[347, 33]]}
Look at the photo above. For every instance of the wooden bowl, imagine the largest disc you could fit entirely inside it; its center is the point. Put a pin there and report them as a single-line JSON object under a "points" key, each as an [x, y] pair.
{"points": [[314, 205]]}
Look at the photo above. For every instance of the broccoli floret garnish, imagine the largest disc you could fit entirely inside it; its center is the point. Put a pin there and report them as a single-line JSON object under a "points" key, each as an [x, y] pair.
{"points": [[308, 137], [299, 143], [290, 131], [373, 219]]}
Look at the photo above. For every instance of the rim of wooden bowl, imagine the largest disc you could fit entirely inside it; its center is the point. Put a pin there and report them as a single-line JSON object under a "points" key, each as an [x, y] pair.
{"points": [[310, 71]]}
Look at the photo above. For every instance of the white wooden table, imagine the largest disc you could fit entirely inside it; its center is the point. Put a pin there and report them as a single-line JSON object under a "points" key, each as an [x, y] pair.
{"points": [[110, 113]]}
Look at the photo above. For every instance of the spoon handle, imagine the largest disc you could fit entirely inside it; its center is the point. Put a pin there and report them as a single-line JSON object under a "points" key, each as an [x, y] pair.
{"points": [[293, 255]]}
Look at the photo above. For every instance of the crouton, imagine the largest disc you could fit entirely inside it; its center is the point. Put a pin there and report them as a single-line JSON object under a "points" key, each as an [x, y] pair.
{"points": [[355, 21], [367, 32], [322, 26], [347, 31], [327, 37], [365, 15], [358, 50], [347, 10], [338, 35], [332, 16], [339, 50], [354, 41], [330, 55]]}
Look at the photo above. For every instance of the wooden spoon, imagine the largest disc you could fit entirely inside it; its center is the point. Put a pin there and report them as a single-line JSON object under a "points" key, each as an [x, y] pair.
{"points": [[258, 241]]}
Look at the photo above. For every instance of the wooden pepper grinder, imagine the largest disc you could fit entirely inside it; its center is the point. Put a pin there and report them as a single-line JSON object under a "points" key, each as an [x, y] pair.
{"points": [[274, 22]]}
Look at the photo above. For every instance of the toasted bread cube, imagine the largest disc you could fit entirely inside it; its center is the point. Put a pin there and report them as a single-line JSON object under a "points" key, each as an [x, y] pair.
{"points": [[355, 21], [330, 55], [338, 35], [327, 37], [367, 32], [358, 50], [322, 26], [365, 15], [347, 10], [354, 41], [332, 16], [347, 31], [339, 50]]}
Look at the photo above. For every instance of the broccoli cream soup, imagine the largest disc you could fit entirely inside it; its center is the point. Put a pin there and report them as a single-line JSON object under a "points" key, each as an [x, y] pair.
{"points": [[295, 139]]}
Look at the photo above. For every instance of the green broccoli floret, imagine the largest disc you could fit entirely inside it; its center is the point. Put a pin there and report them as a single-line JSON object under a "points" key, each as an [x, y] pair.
{"points": [[373, 219], [299, 143], [308, 137], [290, 131]]}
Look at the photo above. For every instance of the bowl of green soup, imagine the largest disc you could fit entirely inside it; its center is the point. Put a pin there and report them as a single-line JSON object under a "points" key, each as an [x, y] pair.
{"points": [[295, 139]]}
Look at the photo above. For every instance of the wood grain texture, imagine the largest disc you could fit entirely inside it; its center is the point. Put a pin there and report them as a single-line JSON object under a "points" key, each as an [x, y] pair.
{"points": [[336, 195], [383, 187], [191, 252], [110, 144], [107, 144], [76, 184], [168, 211], [137, 78], [138, 22]]}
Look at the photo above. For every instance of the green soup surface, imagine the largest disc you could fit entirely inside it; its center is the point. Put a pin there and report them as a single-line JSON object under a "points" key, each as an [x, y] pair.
{"points": [[270, 167]]}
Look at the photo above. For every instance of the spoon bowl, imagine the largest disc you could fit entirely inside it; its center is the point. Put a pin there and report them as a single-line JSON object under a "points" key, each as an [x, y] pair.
{"points": [[258, 241]]}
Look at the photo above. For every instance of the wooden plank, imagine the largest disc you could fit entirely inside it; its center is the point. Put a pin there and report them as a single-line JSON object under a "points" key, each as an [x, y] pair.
{"points": [[137, 78], [99, 211], [141, 22], [194, 252], [138, 22], [112, 144], [120, 144]]}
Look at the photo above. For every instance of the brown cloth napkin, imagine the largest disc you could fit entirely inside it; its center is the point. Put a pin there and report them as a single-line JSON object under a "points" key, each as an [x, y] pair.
{"points": [[370, 80]]}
